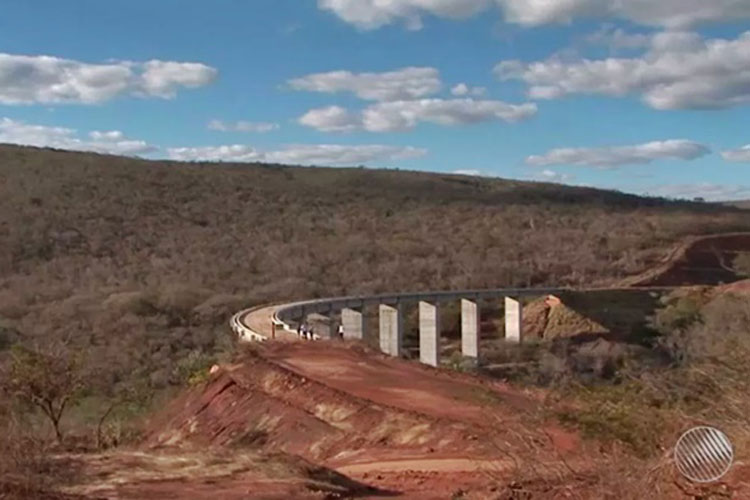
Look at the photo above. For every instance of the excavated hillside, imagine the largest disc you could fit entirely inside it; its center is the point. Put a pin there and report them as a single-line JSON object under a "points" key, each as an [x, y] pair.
{"points": [[704, 260], [388, 421]]}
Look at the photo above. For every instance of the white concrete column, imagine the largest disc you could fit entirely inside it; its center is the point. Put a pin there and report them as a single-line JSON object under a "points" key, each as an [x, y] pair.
{"points": [[354, 324], [513, 321], [333, 330], [469, 328], [391, 329], [429, 333]]}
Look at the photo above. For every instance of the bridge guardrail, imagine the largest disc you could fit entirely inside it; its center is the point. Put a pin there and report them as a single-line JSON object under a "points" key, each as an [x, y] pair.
{"points": [[243, 331]]}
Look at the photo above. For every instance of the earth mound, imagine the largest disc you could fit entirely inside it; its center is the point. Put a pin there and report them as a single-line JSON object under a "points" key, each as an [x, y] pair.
{"points": [[609, 314], [385, 422]]}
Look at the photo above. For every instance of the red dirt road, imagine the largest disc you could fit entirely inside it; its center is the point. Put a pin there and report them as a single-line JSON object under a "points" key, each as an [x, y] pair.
{"points": [[404, 385], [698, 261]]}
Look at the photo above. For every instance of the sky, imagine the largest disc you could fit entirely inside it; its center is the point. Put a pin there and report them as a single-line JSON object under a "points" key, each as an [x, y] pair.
{"points": [[636, 95]]}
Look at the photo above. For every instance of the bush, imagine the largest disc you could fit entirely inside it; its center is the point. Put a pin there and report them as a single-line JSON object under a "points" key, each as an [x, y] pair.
{"points": [[24, 457], [681, 309], [8, 335], [622, 412], [193, 369], [741, 264], [717, 332]]}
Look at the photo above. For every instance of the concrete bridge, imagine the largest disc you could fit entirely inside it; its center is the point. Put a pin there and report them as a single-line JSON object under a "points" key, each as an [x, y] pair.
{"points": [[280, 321]]}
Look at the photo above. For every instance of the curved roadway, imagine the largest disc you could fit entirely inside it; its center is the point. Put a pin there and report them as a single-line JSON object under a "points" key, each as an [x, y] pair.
{"points": [[276, 321]]}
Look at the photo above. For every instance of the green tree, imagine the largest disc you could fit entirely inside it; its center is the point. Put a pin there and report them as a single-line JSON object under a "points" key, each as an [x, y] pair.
{"points": [[49, 378]]}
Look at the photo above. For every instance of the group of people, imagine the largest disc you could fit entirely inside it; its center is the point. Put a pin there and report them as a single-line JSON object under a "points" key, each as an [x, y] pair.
{"points": [[305, 331]]}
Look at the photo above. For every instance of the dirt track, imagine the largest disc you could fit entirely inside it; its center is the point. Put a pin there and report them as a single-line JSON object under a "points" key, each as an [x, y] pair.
{"points": [[703, 260]]}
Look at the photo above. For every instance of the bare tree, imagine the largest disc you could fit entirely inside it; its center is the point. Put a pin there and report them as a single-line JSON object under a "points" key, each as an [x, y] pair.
{"points": [[49, 378]]}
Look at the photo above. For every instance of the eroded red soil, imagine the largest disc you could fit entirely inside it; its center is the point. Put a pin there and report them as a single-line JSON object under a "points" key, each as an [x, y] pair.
{"points": [[384, 421]]}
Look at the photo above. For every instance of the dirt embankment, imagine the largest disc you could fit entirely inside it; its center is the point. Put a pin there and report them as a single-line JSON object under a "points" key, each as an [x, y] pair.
{"points": [[390, 423], [616, 315], [704, 260]]}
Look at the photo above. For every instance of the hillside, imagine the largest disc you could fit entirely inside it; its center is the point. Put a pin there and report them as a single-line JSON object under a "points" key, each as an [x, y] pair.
{"points": [[137, 265], [141, 262]]}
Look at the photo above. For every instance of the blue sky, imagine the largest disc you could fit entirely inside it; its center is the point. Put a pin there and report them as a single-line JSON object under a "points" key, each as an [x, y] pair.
{"points": [[641, 96]]}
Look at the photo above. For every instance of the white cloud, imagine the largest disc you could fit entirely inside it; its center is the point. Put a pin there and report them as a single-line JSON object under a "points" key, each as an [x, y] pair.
{"points": [[111, 135], [314, 154], [331, 119], [110, 142], [552, 176], [611, 157], [679, 71], [462, 89], [405, 115], [163, 78], [707, 191], [372, 14], [470, 171], [48, 80], [242, 126], [406, 83], [740, 155], [667, 13]]}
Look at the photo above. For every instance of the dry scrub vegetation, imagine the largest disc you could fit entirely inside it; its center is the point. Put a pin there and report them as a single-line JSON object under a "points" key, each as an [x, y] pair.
{"points": [[137, 265], [694, 372], [140, 263]]}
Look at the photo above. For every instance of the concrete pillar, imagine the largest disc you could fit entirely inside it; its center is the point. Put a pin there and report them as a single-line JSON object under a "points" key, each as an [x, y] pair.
{"points": [[429, 334], [391, 329], [513, 321], [354, 324], [469, 328], [333, 326]]}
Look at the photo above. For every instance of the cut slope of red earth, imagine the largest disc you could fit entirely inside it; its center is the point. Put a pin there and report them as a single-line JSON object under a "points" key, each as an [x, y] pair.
{"points": [[390, 423]]}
